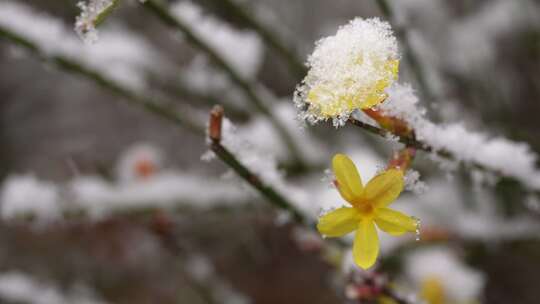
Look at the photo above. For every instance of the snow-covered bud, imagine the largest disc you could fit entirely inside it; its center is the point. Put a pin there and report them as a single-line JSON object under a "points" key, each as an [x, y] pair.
{"points": [[349, 71]]}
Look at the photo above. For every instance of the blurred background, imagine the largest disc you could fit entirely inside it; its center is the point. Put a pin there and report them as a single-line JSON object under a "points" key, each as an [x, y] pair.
{"points": [[105, 202]]}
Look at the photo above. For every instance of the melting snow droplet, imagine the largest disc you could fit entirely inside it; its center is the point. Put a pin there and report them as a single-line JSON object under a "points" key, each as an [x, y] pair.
{"points": [[417, 232]]}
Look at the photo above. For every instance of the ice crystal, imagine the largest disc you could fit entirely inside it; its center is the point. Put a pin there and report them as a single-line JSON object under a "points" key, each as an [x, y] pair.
{"points": [[413, 182], [92, 13]]}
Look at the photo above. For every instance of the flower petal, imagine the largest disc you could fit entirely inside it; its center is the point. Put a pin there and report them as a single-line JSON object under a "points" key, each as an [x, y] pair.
{"points": [[338, 222], [349, 182], [394, 222], [366, 245], [377, 95], [432, 290], [384, 188]]}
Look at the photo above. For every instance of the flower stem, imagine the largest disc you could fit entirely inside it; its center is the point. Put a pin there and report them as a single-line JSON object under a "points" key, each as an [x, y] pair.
{"points": [[273, 196]]}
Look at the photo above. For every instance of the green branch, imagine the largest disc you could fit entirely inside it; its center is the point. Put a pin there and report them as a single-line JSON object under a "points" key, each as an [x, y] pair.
{"points": [[105, 13]]}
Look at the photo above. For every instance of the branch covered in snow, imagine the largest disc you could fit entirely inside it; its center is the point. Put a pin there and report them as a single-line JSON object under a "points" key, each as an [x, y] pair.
{"points": [[496, 155], [120, 55], [257, 182], [252, 94], [93, 13], [47, 39], [18, 287]]}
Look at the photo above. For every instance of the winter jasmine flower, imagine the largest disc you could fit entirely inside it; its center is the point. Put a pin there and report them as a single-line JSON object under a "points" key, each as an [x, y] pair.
{"points": [[349, 71], [432, 291], [442, 277], [369, 208]]}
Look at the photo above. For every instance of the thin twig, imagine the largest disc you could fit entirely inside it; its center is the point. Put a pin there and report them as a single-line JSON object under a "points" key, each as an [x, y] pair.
{"points": [[158, 107], [273, 196], [165, 16], [412, 142], [103, 15]]}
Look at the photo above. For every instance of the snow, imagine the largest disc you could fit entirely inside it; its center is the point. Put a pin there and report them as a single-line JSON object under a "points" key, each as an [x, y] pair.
{"points": [[345, 68], [18, 287], [167, 190], [263, 164], [262, 135], [142, 182], [91, 12], [413, 182], [466, 146], [21, 195], [26, 196], [461, 283]]}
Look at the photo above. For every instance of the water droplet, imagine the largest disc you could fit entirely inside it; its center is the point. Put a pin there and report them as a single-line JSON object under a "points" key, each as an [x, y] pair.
{"points": [[417, 231]]}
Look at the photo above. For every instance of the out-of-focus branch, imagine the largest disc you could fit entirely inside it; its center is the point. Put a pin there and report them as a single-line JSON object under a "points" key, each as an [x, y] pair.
{"points": [[272, 39], [165, 16], [103, 15], [273, 196], [160, 108], [180, 90], [410, 54]]}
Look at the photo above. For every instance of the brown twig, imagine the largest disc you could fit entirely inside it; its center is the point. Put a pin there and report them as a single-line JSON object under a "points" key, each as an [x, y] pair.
{"points": [[273, 196]]}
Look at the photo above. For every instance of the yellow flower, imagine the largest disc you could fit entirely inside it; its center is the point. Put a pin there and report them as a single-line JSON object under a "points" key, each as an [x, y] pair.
{"points": [[333, 99], [369, 208], [433, 291], [349, 71]]}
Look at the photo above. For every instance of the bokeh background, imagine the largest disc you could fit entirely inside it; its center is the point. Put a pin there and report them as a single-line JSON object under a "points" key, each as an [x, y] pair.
{"points": [[188, 231]]}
